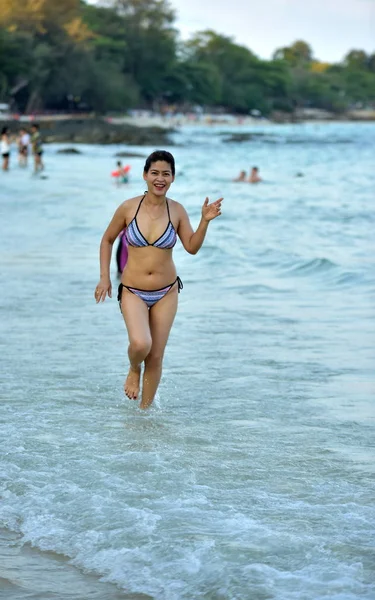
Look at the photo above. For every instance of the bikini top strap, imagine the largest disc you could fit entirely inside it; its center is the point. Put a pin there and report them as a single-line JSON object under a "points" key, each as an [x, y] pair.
{"points": [[139, 205], [169, 216]]}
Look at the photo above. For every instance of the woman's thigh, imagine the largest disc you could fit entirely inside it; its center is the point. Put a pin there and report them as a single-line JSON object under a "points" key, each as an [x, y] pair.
{"points": [[162, 315], [136, 317]]}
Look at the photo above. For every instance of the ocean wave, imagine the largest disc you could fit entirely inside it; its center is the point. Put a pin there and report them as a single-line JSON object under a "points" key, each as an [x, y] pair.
{"points": [[326, 270], [315, 265], [261, 289]]}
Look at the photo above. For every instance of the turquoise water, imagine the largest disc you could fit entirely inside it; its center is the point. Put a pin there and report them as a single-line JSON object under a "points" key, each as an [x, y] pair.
{"points": [[252, 477]]}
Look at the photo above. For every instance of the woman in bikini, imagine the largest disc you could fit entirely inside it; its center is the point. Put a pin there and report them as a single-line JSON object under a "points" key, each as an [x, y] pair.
{"points": [[149, 286]]}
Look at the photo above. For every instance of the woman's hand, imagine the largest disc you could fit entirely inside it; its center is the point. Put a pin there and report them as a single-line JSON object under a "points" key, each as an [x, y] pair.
{"points": [[103, 288], [211, 211]]}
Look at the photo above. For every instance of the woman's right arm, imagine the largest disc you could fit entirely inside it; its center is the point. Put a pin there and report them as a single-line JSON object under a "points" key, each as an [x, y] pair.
{"points": [[116, 225]]}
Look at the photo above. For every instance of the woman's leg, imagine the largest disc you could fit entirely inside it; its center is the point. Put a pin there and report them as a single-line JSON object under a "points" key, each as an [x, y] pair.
{"points": [[135, 313], [162, 315]]}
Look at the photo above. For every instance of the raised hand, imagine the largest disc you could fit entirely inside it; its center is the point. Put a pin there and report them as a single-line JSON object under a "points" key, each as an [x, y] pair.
{"points": [[213, 210]]}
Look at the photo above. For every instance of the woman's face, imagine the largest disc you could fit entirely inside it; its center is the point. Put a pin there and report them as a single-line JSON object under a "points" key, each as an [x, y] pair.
{"points": [[159, 177]]}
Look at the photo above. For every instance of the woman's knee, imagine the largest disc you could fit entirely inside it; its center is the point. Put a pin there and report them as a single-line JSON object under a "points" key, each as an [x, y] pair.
{"points": [[141, 346]]}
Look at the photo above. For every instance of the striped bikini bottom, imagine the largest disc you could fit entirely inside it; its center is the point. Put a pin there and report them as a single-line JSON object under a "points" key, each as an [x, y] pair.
{"points": [[149, 297]]}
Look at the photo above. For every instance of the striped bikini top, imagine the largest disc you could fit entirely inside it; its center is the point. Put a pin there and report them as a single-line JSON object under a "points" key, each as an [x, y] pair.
{"points": [[135, 238]]}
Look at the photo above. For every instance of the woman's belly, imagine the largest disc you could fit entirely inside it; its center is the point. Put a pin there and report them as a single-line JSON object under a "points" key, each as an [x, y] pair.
{"points": [[149, 268]]}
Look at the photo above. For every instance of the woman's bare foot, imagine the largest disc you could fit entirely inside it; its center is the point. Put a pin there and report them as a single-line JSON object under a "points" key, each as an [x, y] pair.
{"points": [[131, 385]]}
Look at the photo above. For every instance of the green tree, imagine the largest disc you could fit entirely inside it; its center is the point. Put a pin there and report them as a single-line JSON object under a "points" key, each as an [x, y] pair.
{"points": [[15, 62], [150, 44], [246, 82], [43, 17], [108, 34], [193, 83], [356, 59], [203, 83], [298, 54], [371, 63]]}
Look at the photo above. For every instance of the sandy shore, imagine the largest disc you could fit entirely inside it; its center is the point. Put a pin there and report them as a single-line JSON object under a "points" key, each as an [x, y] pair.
{"points": [[180, 120], [29, 574], [144, 119]]}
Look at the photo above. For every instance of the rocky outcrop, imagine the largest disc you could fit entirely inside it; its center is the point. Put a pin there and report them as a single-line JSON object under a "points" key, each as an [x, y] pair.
{"points": [[234, 138], [99, 131], [69, 151], [95, 131], [130, 155]]}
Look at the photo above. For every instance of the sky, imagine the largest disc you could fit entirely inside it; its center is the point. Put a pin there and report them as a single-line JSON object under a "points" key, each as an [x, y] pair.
{"points": [[330, 27]]}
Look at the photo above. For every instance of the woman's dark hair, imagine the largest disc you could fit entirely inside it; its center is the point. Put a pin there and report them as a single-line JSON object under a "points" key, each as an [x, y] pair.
{"points": [[159, 155], [4, 130]]}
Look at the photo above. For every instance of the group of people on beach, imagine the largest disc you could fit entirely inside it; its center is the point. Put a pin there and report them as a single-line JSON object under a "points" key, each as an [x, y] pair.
{"points": [[252, 178], [24, 140]]}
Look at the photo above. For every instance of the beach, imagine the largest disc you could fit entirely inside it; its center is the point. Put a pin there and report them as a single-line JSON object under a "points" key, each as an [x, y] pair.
{"points": [[26, 573], [251, 478]]}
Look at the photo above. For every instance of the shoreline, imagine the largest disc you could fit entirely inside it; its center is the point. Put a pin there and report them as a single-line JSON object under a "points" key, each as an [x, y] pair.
{"points": [[26, 571]]}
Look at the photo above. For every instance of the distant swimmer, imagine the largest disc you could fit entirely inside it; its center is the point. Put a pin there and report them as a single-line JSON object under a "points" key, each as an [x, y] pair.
{"points": [[37, 148], [23, 147], [254, 177], [241, 176], [121, 174], [5, 148], [148, 292]]}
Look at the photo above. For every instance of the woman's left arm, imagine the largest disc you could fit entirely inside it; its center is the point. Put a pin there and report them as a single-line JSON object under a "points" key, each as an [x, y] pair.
{"points": [[193, 240]]}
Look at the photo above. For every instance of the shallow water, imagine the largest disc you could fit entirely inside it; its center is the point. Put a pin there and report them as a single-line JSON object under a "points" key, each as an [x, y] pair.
{"points": [[252, 477]]}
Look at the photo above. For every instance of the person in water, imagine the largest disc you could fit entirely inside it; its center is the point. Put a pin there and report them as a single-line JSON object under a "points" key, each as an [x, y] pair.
{"points": [[149, 285], [37, 148], [241, 176], [121, 174], [23, 147], [254, 176], [5, 142]]}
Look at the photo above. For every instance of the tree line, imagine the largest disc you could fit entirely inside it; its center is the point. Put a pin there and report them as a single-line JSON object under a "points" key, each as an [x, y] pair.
{"points": [[69, 55]]}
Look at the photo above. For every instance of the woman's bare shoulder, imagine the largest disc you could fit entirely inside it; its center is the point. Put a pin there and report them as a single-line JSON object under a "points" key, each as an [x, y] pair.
{"points": [[130, 204], [176, 207], [174, 204]]}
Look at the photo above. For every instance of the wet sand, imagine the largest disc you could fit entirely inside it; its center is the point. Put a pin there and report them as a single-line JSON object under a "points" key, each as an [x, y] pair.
{"points": [[29, 574]]}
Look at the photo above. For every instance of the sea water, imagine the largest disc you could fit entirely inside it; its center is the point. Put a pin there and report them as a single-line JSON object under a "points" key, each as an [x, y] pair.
{"points": [[252, 476]]}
